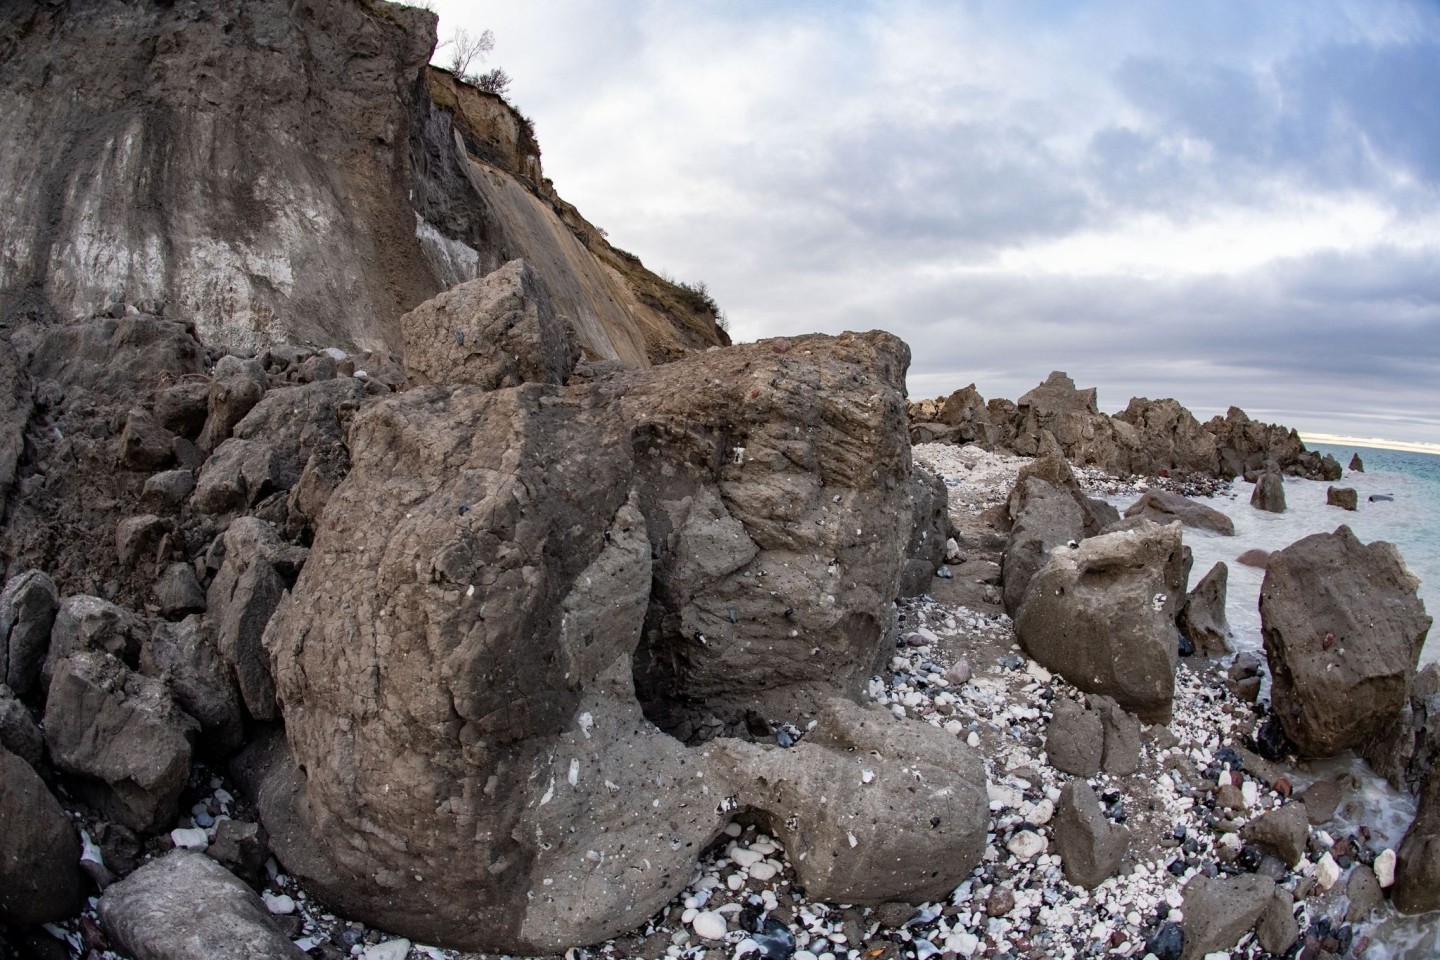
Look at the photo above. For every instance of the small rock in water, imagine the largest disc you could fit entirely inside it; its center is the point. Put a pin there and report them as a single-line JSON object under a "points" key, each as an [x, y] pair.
{"points": [[710, 925], [1385, 868]]}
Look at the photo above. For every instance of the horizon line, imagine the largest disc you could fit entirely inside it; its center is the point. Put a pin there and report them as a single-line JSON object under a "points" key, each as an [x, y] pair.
{"points": [[1373, 443]]}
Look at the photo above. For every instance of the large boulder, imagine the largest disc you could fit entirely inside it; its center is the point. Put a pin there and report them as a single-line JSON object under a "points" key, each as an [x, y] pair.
{"points": [[27, 614], [185, 906], [240, 601], [123, 735], [1417, 869], [1168, 438], [40, 879], [183, 655], [90, 623], [1269, 492], [1056, 471], [1221, 910], [1102, 615], [1047, 517], [1164, 506], [500, 330], [469, 760], [16, 405], [929, 529], [1342, 628], [1203, 618], [238, 385], [1089, 845]]}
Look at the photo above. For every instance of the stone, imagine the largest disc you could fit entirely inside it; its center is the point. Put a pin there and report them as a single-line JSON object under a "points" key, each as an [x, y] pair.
{"points": [[239, 474], [1047, 518], [1269, 493], [1167, 438], [137, 539], [28, 606], [1356, 464], [242, 848], [1322, 798], [143, 444], [1075, 739], [1163, 506], [1342, 628], [1203, 619], [183, 656], [1417, 872], [1277, 929], [1220, 910], [1089, 845], [123, 734], [236, 387], [18, 731], [525, 624], [1259, 559], [178, 592], [241, 600], [166, 491], [1385, 868], [152, 914], [1122, 737], [929, 522], [500, 330], [1327, 871], [1102, 615], [1281, 832], [1364, 893], [89, 623], [181, 408], [1345, 498], [40, 878], [1057, 473], [710, 925]]}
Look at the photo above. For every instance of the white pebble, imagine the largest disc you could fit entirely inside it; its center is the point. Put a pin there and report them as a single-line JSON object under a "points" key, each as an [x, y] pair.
{"points": [[710, 925], [192, 838], [1385, 868], [1327, 871], [389, 950], [744, 857], [1027, 844], [763, 871], [278, 904], [973, 740]]}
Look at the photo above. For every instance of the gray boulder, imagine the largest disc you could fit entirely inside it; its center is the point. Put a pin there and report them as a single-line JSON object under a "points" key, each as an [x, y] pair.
{"points": [[1046, 517], [240, 601], [1417, 866], [18, 731], [1346, 498], [181, 408], [138, 539], [183, 656], [156, 914], [1269, 493], [1163, 506], [123, 734], [40, 879], [178, 592], [1281, 832], [500, 330], [1089, 845], [1277, 929], [143, 443], [1342, 628], [27, 614], [1102, 615], [89, 623], [239, 474], [929, 526], [1056, 471], [457, 666], [166, 491], [1221, 910], [1075, 739], [1122, 736], [1203, 618], [236, 387]]}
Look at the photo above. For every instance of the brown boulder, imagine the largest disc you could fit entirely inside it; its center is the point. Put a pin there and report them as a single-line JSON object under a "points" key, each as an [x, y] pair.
{"points": [[1417, 865], [1163, 506], [40, 879], [237, 386], [1346, 498], [1203, 618], [500, 330], [27, 613], [1342, 628], [1269, 493], [1089, 845], [1102, 615], [1047, 518]]}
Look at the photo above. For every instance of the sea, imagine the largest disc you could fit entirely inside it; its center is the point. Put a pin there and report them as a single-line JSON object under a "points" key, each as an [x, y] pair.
{"points": [[1399, 501]]}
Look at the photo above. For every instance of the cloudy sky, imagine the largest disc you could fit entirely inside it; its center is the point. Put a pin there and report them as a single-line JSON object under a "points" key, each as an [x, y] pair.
{"points": [[1223, 202]]}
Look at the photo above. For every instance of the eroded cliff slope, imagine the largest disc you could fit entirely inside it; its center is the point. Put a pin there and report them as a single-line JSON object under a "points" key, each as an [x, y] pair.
{"points": [[283, 172]]}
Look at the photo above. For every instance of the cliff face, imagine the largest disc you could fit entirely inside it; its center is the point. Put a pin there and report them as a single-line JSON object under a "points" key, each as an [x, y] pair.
{"points": [[278, 171]]}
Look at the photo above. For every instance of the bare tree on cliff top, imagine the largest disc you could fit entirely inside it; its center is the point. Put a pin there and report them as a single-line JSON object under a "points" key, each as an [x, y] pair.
{"points": [[468, 51]]}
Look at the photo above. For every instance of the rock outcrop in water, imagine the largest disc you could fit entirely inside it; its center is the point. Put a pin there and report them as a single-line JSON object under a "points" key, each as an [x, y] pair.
{"points": [[1149, 437], [278, 172]]}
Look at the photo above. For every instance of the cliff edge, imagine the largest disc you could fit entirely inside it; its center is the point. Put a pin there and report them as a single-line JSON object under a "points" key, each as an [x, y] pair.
{"points": [[280, 172]]}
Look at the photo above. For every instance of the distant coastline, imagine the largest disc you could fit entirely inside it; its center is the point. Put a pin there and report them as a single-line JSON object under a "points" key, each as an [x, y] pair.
{"points": [[1374, 443]]}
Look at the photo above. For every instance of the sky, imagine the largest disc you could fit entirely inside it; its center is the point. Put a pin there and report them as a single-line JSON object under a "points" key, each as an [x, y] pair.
{"points": [[1221, 202]]}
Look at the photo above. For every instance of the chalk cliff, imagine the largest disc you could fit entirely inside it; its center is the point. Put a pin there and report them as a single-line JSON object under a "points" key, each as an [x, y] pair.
{"points": [[277, 171]]}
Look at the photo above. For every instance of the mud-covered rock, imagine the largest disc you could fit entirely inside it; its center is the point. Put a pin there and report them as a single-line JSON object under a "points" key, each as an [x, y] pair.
{"points": [[238, 384], [1343, 629]]}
